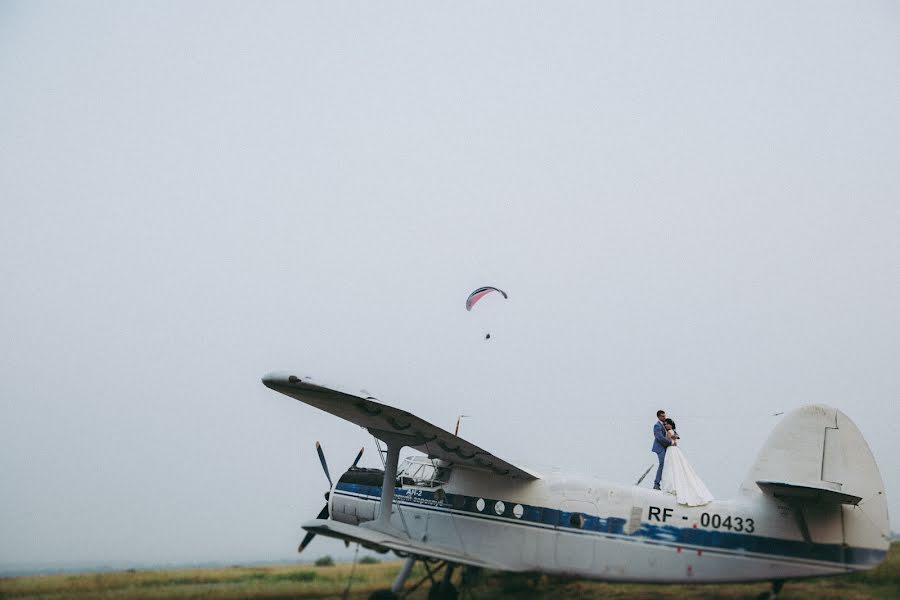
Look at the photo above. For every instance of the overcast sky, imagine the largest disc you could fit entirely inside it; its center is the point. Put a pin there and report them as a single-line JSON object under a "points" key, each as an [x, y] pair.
{"points": [[692, 206]]}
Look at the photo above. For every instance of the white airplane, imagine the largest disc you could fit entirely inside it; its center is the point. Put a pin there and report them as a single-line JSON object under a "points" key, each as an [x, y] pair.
{"points": [[812, 504]]}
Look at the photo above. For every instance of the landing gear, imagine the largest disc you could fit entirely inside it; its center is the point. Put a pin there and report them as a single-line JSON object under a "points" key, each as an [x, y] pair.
{"points": [[776, 589], [444, 590], [441, 589]]}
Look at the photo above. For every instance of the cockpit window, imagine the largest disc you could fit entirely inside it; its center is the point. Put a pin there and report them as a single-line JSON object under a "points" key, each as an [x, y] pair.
{"points": [[420, 471]]}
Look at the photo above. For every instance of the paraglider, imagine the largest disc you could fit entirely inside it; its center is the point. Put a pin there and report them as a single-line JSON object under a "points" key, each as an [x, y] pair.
{"points": [[481, 293], [478, 295]]}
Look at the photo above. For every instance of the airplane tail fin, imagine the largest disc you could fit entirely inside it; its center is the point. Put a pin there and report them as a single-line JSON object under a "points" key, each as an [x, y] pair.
{"points": [[817, 462]]}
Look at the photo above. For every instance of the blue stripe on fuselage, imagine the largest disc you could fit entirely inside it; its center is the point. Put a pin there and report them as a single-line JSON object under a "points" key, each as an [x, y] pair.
{"points": [[667, 534]]}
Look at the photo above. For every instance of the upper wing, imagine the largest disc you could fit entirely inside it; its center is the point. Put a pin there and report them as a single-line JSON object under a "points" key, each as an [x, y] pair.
{"points": [[385, 421]]}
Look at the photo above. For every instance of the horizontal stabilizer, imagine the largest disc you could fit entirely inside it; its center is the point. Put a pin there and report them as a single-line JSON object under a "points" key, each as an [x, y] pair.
{"points": [[389, 423], [807, 492]]}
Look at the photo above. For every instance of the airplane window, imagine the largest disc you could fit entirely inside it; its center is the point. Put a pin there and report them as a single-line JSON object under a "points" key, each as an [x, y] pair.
{"points": [[442, 475], [403, 472], [576, 520], [422, 474]]}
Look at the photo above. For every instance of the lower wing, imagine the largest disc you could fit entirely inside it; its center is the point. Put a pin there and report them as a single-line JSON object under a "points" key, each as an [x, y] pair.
{"points": [[372, 538]]}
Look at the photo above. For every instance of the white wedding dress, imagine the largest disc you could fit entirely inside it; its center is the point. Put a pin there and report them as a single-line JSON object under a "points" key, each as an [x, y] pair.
{"points": [[679, 478]]}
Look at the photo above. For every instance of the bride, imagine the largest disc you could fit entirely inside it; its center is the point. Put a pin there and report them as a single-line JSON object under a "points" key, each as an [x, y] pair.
{"points": [[678, 477]]}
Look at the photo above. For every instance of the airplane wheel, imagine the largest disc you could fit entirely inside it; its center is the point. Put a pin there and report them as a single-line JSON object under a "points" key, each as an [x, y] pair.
{"points": [[776, 589], [442, 591], [383, 595]]}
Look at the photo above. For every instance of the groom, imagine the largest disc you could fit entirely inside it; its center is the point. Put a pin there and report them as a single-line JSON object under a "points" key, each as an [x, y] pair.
{"points": [[660, 442]]}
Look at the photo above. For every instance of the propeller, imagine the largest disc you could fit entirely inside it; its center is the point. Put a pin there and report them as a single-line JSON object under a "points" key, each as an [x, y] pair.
{"points": [[324, 464], [323, 514], [358, 456], [309, 536]]}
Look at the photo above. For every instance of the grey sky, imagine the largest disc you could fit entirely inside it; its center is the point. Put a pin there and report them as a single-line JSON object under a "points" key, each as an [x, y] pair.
{"points": [[693, 207]]}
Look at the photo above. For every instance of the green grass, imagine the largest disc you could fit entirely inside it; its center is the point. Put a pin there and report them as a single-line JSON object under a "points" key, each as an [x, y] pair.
{"points": [[309, 582]]}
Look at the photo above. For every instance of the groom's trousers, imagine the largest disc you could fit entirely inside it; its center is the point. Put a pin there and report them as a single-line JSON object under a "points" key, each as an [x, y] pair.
{"points": [[662, 458]]}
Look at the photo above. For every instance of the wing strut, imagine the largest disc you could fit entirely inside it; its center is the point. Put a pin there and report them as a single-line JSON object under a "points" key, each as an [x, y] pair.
{"points": [[403, 574], [395, 443], [390, 481], [797, 508]]}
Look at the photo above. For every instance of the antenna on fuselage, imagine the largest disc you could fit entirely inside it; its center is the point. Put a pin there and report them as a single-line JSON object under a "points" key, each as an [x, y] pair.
{"points": [[456, 431]]}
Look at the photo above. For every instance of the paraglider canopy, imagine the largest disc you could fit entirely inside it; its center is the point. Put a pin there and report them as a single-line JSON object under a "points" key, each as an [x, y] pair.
{"points": [[481, 293]]}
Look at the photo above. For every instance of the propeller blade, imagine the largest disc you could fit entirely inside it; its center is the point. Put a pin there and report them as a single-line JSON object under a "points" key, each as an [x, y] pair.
{"points": [[358, 456], [309, 536], [324, 464], [306, 540]]}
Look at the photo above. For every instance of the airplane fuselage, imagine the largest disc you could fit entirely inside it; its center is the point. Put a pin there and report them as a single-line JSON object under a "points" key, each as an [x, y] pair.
{"points": [[584, 527]]}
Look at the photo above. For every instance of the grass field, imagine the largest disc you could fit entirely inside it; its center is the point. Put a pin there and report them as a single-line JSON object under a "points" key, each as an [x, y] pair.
{"points": [[331, 582]]}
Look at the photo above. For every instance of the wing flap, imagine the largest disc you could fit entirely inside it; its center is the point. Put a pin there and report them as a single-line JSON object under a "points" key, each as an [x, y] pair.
{"points": [[385, 421]]}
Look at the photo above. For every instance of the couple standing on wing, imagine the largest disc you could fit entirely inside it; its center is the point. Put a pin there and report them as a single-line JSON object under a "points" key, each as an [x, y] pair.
{"points": [[675, 475]]}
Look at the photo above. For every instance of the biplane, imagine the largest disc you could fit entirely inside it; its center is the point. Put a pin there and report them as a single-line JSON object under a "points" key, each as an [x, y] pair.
{"points": [[812, 504]]}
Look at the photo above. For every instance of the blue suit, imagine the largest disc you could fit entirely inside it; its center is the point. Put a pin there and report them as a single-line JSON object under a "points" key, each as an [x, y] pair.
{"points": [[660, 443]]}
